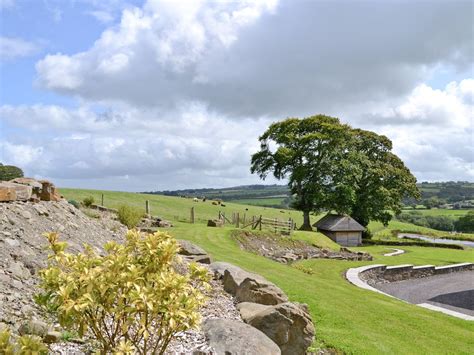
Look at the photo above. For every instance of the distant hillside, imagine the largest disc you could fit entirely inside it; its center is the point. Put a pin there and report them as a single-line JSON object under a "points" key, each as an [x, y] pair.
{"points": [[260, 195], [457, 194]]}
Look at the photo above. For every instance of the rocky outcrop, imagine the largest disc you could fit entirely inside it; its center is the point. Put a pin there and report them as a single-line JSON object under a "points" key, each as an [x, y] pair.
{"points": [[231, 337], [264, 306], [28, 189], [287, 324], [287, 250], [248, 287], [23, 248]]}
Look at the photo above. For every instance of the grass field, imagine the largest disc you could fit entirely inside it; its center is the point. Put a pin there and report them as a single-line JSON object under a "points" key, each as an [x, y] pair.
{"points": [[349, 319], [455, 214], [264, 201]]}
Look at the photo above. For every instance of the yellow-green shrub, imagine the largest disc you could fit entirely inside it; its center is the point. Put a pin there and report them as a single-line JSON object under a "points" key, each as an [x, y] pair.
{"points": [[88, 201], [129, 216], [131, 298], [26, 344]]}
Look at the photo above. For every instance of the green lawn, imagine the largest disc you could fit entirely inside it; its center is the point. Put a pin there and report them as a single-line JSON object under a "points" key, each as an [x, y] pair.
{"points": [[349, 319]]}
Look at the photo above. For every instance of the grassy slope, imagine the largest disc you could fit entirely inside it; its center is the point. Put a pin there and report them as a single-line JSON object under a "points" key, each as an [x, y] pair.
{"points": [[347, 318]]}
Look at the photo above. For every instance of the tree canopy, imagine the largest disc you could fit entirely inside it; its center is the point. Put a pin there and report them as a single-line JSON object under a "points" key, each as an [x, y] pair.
{"points": [[8, 172], [331, 166]]}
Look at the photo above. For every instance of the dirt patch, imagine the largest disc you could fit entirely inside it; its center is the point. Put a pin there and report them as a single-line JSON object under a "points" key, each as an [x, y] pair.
{"points": [[285, 250]]}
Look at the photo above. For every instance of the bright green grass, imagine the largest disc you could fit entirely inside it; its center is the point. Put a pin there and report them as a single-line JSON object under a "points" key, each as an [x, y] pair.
{"points": [[264, 201], [347, 318], [176, 208], [381, 232]]}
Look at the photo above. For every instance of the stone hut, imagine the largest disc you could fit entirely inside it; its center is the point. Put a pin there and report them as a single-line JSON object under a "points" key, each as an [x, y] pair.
{"points": [[344, 230]]}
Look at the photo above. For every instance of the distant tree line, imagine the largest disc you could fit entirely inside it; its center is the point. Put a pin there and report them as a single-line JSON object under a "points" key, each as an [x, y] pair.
{"points": [[443, 223]]}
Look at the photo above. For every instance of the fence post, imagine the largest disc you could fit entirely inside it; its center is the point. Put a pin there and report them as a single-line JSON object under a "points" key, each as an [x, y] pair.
{"points": [[192, 214], [102, 200], [244, 220], [237, 220], [253, 223], [147, 207], [260, 222]]}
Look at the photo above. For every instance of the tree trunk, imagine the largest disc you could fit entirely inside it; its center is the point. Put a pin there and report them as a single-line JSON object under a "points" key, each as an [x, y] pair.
{"points": [[306, 222]]}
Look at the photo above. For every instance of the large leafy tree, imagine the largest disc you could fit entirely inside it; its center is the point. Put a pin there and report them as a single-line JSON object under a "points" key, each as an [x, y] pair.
{"points": [[309, 153], [377, 179], [331, 166]]}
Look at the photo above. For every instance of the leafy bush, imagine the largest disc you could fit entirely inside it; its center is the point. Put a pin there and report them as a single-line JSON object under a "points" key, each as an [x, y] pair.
{"points": [[129, 216], [131, 298], [88, 201], [466, 223], [74, 203], [442, 223], [26, 344], [8, 172]]}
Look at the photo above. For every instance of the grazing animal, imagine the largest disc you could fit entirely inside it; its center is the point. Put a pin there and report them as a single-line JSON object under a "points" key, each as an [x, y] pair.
{"points": [[214, 203], [246, 209], [195, 199], [222, 205]]}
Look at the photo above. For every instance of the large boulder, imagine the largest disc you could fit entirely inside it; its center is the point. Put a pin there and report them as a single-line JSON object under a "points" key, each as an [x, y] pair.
{"points": [[48, 192], [192, 252], [188, 248], [246, 286], [288, 324], [22, 192], [7, 193], [232, 337], [215, 223]]}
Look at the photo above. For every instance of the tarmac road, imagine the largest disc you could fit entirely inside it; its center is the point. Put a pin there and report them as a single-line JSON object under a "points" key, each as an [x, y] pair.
{"points": [[453, 291]]}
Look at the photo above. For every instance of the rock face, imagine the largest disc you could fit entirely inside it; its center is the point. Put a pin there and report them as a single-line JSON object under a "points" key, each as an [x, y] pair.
{"points": [[248, 287], [28, 189], [192, 252], [23, 248], [288, 324], [230, 337]]}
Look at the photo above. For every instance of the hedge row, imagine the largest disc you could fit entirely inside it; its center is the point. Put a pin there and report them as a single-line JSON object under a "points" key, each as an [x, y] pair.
{"points": [[415, 244]]}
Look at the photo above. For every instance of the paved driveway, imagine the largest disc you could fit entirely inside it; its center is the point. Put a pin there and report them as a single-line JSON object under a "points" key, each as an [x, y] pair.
{"points": [[452, 291]]}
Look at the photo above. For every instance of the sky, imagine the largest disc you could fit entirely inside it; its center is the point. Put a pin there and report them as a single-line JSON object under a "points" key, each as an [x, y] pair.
{"points": [[141, 95]]}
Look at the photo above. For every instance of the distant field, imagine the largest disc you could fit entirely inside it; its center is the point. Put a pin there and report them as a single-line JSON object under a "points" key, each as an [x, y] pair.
{"points": [[442, 212], [264, 201]]}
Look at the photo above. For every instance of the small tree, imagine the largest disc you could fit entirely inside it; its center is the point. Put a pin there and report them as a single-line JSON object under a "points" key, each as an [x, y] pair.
{"points": [[131, 299], [9, 172]]}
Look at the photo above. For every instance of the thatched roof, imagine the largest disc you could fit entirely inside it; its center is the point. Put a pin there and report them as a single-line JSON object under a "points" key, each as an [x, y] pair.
{"points": [[338, 223]]}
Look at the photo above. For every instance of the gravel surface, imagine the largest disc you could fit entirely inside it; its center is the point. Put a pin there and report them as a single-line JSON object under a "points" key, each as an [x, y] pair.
{"points": [[453, 291]]}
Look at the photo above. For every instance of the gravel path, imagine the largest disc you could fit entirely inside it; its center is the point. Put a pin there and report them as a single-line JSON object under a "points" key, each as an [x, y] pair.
{"points": [[453, 291]]}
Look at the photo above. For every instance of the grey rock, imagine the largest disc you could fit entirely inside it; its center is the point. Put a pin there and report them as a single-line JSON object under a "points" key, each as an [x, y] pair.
{"points": [[288, 324], [52, 337], [231, 337], [33, 327], [188, 248], [18, 271], [246, 286]]}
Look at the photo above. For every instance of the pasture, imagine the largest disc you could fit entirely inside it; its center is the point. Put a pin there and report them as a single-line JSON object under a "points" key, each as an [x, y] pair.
{"points": [[348, 319]]}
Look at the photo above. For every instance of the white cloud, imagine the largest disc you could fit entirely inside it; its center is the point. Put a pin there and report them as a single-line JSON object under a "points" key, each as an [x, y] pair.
{"points": [[194, 146], [11, 48], [102, 16]]}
